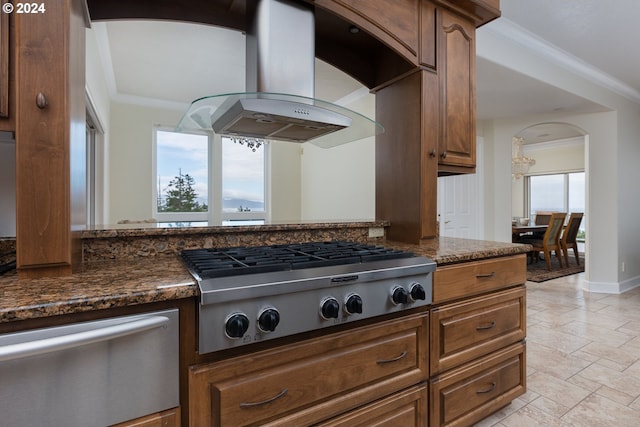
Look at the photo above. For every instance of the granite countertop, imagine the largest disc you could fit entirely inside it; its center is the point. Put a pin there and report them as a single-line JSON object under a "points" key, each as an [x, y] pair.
{"points": [[450, 250], [99, 285], [118, 283]]}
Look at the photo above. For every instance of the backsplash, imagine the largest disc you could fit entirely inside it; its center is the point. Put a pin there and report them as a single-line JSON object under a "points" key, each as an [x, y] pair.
{"points": [[130, 243]]}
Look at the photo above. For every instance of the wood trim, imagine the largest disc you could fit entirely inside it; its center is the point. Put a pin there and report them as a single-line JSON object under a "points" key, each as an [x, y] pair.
{"points": [[4, 62]]}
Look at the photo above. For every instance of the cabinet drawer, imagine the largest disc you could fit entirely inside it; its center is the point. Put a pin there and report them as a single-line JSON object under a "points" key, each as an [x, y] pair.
{"points": [[468, 394], [473, 278], [407, 408], [469, 329], [282, 385]]}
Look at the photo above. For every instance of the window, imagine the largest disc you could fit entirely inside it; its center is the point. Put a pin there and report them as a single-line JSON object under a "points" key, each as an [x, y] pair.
{"points": [[202, 177], [181, 176], [563, 192], [243, 184]]}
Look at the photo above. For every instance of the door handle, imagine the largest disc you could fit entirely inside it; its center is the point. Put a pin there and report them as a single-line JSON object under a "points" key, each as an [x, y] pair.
{"points": [[63, 342]]}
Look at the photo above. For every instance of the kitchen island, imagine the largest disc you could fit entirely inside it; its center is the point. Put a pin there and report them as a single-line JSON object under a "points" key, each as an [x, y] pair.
{"points": [[137, 268], [139, 263]]}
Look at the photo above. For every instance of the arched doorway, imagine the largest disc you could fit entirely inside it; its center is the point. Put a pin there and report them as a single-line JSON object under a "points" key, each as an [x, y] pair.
{"points": [[558, 179]]}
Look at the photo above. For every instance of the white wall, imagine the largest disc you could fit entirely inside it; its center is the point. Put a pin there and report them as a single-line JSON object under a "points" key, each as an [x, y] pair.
{"points": [[339, 183], [131, 160]]}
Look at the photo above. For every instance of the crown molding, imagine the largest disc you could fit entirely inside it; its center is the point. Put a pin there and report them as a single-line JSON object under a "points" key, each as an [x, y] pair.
{"points": [[558, 143], [507, 29]]}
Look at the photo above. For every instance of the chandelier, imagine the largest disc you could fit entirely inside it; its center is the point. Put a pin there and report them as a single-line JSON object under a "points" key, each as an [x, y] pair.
{"points": [[520, 163]]}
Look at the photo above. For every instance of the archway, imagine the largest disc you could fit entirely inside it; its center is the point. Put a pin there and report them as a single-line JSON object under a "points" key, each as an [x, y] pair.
{"points": [[558, 179]]}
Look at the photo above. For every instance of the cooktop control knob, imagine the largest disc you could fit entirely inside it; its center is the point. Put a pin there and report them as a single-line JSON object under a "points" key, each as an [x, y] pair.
{"points": [[330, 308], [399, 295], [236, 325], [268, 319], [353, 304], [418, 292]]}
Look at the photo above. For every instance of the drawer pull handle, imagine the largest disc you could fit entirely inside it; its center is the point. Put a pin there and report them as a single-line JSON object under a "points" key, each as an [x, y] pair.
{"points": [[264, 402], [395, 359], [488, 389], [485, 327], [482, 276]]}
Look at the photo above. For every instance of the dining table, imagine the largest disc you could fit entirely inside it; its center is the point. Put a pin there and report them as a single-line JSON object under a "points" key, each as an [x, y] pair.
{"points": [[518, 231]]}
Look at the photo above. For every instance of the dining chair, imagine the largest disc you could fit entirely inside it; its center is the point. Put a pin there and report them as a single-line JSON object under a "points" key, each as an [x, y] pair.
{"points": [[550, 240], [569, 235], [542, 218]]}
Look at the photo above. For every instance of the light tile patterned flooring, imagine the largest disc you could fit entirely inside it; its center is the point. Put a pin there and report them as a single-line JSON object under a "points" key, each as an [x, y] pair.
{"points": [[583, 359]]}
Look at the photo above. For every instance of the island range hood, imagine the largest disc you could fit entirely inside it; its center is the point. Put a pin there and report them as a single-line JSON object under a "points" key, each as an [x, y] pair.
{"points": [[279, 101]]}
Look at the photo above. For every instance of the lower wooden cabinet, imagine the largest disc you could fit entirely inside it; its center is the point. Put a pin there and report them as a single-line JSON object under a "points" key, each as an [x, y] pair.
{"points": [[466, 330], [317, 380], [404, 409], [469, 393], [168, 418]]}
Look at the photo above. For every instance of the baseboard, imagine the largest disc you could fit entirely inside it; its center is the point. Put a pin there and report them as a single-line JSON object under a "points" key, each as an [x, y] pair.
{"points": [[611, 287]]}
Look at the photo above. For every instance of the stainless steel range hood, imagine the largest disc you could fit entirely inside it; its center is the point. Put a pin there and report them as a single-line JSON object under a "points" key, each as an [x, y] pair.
{"points": [[279, 100]]}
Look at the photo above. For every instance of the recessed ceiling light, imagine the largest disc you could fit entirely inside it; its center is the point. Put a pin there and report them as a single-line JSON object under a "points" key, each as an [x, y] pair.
{"points": [[544, 135]]}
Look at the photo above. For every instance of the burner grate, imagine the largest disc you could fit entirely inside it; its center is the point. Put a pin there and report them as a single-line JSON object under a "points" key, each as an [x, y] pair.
{"points": [[222, 262]]}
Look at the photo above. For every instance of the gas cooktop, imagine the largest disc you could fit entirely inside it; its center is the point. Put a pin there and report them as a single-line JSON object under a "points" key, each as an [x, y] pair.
{"points": [[211, 263], [251, 294]]}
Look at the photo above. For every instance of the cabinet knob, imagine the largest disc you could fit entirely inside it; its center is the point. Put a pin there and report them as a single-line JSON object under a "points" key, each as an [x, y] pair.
{"points": [[41, 101], [443, 155], [432, 153]]}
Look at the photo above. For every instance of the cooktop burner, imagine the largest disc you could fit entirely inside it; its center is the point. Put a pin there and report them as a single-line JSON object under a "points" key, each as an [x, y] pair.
{"points": [[211, 263]]}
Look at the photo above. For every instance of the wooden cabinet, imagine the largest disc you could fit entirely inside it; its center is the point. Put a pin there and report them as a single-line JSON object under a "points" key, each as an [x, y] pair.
{"points": [[168, 418], [7, 87], [407, 408], [456, 72], [472, 278], [393, 23], [465, 395], [465, 330], [477, 351], [317, 380], [50, 137]]}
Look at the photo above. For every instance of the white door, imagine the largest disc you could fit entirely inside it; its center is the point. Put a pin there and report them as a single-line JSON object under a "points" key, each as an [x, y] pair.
{"points": [[460, 202]]}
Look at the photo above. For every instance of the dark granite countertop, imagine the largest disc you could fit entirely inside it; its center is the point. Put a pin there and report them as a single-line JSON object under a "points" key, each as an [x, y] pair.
{"points": [[99, 285], [118, 283]]}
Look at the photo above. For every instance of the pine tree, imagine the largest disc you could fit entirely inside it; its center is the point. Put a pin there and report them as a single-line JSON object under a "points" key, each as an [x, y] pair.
{"points": [[180, 195]]}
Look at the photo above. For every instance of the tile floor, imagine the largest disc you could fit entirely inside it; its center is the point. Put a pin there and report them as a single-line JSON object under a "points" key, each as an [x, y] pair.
{"points": [[583, 359]]}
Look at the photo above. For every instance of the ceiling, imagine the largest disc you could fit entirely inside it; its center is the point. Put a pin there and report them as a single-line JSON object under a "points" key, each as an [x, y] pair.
{"points": [[175, 63]]}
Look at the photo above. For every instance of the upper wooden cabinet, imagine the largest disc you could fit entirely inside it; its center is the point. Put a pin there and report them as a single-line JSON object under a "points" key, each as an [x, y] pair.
{"points": [[394, 23], [457, 76]]}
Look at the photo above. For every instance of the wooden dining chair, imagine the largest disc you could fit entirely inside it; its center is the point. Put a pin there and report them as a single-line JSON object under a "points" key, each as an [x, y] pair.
{"points": [[569, 235], [551, 239], [543, 218]]}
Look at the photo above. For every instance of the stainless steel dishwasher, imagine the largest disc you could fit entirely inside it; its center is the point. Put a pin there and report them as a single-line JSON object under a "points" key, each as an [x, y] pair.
{"points": [[94, 373]]}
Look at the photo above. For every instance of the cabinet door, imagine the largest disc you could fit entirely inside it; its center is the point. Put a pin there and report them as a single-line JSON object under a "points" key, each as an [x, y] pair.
{"points": [[469, 329], [466, 395], [407, 408], [456, 71], [50, 136], [311, 381], [168, 418]]}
